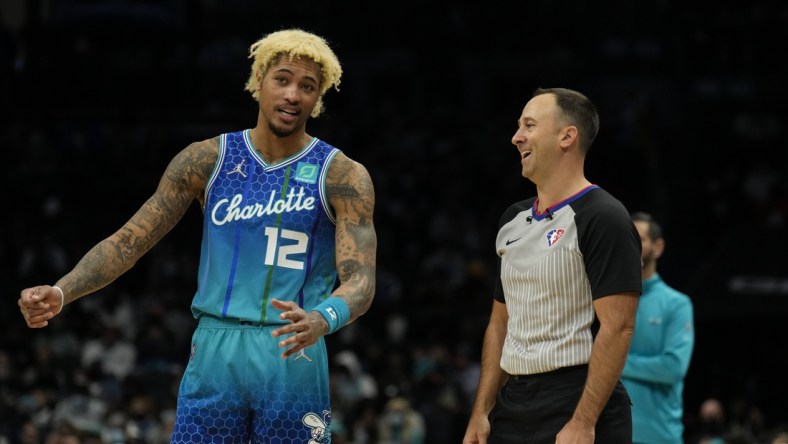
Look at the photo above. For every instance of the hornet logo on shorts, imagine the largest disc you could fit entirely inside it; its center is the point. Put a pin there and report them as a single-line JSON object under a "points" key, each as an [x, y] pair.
{"points": [[553, 236], [319, 432]]}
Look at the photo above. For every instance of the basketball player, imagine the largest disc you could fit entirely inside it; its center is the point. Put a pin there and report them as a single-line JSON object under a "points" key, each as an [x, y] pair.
{"points": [[285, 215]]}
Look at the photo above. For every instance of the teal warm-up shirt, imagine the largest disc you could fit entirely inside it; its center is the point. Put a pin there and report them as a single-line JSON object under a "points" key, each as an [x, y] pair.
{"points": [[658, 359], [268, 232]]}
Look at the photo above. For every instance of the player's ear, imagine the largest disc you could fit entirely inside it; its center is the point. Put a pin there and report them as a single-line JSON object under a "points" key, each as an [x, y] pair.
{"points": [[259, 77]]}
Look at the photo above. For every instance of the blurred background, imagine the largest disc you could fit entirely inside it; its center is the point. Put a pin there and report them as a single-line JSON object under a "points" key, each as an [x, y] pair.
{"points": [[100, 95]]}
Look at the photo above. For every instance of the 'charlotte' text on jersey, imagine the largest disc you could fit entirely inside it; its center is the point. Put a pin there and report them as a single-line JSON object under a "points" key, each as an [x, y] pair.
{"points": [[295, 201]]}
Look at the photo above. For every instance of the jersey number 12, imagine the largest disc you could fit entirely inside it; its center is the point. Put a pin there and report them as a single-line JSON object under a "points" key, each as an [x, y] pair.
{"points": [[276, 254]]}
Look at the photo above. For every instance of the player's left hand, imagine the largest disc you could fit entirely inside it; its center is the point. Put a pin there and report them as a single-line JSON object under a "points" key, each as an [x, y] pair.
{"points": [[304, 328]]}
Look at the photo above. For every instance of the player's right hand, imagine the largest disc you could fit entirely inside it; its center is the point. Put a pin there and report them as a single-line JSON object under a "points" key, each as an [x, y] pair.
{"points": [[39, 304]]}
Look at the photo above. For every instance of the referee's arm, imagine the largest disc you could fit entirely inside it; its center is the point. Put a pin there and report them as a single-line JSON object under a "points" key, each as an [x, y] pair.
{"points": [[491, 376], [616, 314]]}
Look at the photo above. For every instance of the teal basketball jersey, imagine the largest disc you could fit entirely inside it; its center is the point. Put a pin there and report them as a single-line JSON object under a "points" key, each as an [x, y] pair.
{"points": [[268, 232]]}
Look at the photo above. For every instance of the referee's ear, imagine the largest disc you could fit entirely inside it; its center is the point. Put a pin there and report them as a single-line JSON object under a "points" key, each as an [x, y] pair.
{"points": [[568, 137]]}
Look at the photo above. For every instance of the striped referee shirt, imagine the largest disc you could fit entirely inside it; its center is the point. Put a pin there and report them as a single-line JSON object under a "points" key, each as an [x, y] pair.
{"points": [[552, 266]]}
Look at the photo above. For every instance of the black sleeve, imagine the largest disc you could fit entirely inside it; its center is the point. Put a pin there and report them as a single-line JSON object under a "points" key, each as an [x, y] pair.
{"points": [[610, 244]]}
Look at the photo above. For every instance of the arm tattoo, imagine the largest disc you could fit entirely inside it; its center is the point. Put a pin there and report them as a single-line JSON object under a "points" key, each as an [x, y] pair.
{"points": [[351, 195], [342, 190], [182, 182]]}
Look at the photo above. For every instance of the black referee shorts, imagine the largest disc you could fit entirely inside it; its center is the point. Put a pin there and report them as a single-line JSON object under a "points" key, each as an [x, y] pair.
{"points": [[532, 409]]}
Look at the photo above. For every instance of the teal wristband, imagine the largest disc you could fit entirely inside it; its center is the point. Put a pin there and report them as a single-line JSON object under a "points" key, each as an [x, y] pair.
{"points": [[335, 311]]}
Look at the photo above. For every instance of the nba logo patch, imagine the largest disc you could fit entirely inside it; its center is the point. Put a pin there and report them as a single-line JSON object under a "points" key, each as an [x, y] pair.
{"points": [[306, 172], [553, 236], [194, 350]]}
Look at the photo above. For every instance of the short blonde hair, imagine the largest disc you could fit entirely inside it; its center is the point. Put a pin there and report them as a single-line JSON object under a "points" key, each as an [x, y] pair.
{"points": [[295, 43]]}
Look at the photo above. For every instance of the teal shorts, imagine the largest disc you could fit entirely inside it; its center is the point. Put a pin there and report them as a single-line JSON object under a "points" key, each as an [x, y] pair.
{"points": [[238, 389]]}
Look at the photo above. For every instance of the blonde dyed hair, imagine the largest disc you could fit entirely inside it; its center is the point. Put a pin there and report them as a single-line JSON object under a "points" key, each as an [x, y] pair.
{"points": [[294, 43]]}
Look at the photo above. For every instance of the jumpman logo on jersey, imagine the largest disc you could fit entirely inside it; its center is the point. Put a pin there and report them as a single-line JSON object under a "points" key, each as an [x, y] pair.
{"points": [[302, 354], [238, 169]]}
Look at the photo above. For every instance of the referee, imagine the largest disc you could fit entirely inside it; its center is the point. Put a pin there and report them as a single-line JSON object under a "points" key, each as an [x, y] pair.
{"points": [[564, 307]]}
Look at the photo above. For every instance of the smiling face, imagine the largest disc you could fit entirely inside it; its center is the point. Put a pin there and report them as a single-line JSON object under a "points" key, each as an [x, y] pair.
{"points": [[289, 91], [538, 136]]}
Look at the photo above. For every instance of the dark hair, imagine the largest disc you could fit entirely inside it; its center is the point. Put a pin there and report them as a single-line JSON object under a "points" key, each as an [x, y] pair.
{"points": [[579, 111], [654, 230]]}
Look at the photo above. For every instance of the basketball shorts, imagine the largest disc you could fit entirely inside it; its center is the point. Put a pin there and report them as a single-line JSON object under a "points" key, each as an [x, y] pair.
{"points": [[237, 388]]}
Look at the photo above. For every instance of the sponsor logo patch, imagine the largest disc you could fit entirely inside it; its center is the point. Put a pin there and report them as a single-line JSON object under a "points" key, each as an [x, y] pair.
{"points": [[306, 172]]}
